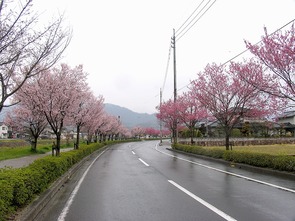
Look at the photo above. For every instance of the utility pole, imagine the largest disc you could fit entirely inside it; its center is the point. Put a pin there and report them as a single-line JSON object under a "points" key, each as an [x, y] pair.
{"points": [[173, 45]]}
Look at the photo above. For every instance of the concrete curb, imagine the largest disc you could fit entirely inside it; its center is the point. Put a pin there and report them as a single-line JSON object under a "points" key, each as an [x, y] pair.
{"points": [[30, 212]]}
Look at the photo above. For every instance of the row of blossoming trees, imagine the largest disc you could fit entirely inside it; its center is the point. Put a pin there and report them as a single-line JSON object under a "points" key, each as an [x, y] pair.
{"points": [[262, 86], [59, 97], [47, 95]]}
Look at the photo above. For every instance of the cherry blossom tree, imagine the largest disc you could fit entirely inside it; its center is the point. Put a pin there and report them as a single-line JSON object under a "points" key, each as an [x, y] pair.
{"points": [[126, 133], [54, 93], [277, 53], [166, 133], [24, 50], [101, 126], [94, 125], [168, 115], [190, 111], [25, 117], [152, 132], [112, 127], [84, 110], [137, 132], [228, 97]]}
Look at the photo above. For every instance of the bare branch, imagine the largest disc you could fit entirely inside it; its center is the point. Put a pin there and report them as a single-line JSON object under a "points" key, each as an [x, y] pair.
{"points": [[25, 51]]}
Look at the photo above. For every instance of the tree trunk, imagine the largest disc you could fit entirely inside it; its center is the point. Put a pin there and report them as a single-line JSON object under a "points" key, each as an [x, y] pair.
{"points": [[89, 137], [78, 138], [227, 130], [192, 135], [34, 144], [174, 135], [227, 142], [58, 138]]}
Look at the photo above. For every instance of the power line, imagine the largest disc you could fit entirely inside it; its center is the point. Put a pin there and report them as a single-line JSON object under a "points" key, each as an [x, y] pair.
{"points": [[167, 67], [190, 16], [194, 20], [174, 36], [246, 49], [166, 71], [257, 42], [184, 29]]}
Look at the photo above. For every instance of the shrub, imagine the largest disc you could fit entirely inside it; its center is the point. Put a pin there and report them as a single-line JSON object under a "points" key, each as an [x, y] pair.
{"points": [[254, 159], [284, 163], [215, 153], [236, 133], [18, 187], [6, 198]]}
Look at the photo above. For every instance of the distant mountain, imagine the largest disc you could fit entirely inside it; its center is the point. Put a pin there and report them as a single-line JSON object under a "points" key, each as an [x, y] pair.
{"points": [[130, 118]]}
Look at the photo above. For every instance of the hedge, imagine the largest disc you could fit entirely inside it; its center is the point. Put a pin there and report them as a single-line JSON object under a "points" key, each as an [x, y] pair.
{"points": [[277, 162], [18, 187], [216, 153]]}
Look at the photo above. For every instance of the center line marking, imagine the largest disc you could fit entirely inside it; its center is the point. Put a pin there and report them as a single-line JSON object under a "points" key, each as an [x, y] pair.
{"points": [[203, 202], [143, 162]]}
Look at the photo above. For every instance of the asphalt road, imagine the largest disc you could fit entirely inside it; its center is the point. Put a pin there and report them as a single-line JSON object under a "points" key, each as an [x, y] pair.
{"points": [[144, 181]]}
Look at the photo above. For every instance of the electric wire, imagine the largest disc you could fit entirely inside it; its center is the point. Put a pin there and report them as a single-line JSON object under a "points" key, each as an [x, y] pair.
{"points": [[239, 54], [257, 42], [166, 71], [167, 67], [184, 29], [194, 20], [190, 16], [21, 4]]}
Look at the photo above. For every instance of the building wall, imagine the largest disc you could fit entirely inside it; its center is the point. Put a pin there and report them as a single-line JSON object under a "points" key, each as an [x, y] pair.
{"points": [[287, 120], [3, 131]]}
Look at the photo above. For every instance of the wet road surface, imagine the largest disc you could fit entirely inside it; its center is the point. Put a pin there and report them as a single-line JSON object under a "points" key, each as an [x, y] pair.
{"points": [[144, 181]]}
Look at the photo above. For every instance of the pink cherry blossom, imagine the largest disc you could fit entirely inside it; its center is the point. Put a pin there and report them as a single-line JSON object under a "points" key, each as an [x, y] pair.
{"points": [[277, 53], [227, 96]]}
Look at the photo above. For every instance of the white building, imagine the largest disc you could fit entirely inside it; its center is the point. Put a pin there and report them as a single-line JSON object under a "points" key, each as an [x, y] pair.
{"points": [[3, 131]]}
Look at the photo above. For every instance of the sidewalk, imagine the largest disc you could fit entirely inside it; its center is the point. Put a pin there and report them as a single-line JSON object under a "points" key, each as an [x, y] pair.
{"points": [[26, 161]]}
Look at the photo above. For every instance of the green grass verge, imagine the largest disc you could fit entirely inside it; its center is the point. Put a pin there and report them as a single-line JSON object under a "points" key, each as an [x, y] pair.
{"points": [[7, 152]]}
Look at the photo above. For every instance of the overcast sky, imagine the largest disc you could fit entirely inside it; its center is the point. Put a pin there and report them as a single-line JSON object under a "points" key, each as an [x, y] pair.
{"points": [[124, 45]]}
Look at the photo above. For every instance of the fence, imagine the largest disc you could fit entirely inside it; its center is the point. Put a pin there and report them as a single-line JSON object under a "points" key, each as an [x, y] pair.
{"points": [[237, 141]]}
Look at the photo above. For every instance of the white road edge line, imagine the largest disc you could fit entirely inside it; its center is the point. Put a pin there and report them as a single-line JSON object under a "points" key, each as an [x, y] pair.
{"points": [[203, 202], [65, 210], [143, 162], [229, 173]]}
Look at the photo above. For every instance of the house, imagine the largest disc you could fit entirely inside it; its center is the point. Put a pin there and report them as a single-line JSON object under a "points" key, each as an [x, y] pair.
{"points": [[250, 126], [3, 131], [287, 117], [287, 121]]}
